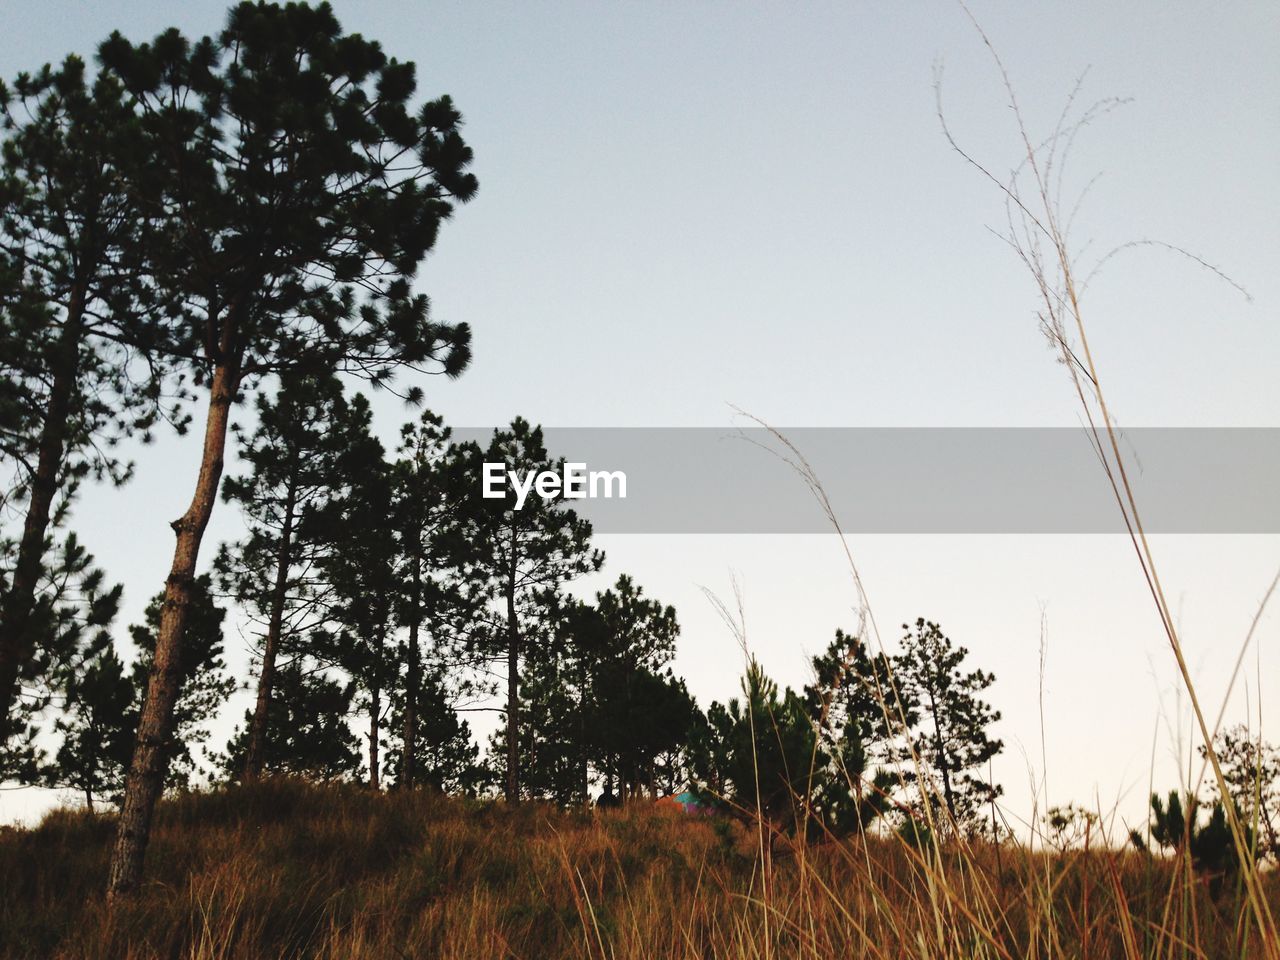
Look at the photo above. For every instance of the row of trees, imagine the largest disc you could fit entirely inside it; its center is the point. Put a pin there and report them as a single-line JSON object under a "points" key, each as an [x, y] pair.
{"points": [[387, 587], [907, 734], [196, 223], [190, 222], [1251, 774], [393, 613], [373, 586]]}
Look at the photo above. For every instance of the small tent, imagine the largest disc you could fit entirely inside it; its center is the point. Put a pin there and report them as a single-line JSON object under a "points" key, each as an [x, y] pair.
{"points": [[685, 802]]}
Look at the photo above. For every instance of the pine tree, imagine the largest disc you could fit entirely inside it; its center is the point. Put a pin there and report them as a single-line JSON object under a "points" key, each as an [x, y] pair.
{"points": [[632, 711], [102, 699], [205, 683], [523, 557], [445, 755], [853, 691], [307, 733], [1176, 825], [1251, 768], [358, 565], [84, 331], [644, 714], [298, 193], [97, 723], [552, 755], [596, 696], [767, 748], [79, 607], [293, 455], [434, 599], [861, 715], [952, 737], [767, 754]]}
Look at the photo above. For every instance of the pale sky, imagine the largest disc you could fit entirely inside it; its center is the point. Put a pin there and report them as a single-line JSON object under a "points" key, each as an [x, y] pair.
{"points": [[685, 207]]}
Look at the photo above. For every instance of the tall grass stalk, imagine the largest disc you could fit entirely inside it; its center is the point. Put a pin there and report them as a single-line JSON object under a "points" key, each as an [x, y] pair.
{"points": [[1035, 222]]}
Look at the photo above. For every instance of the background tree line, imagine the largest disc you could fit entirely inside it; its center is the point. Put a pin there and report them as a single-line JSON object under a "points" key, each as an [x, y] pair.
{"points": [[189, 223]]}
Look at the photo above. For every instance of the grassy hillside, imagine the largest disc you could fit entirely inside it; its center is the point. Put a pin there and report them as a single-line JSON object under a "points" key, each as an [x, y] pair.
{"points": [[285, 869]]}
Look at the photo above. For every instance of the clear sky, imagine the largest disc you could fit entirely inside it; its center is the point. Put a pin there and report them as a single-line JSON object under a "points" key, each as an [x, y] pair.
{"points": [[688, 206]]}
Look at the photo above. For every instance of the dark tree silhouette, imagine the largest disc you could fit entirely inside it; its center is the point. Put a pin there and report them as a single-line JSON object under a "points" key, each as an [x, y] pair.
{"points": [[765, 757], [83, 330], [632, 711], [552, 751], [306, 734], [642, 714], [433, 598], [203, 679], [861, 716], [298, 193], [78, 608], [103, 698], [523, 557], [952, 738], [1251, 769], [445, 756], [358, 565], [294, 458], [97, 723], [1175, 825], [852, 691]]}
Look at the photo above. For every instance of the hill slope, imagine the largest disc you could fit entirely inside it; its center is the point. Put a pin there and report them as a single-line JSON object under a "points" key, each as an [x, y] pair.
{"points": [[285, 869]]}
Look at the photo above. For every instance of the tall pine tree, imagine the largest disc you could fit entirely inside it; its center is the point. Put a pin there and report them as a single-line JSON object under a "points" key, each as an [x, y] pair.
{"points": [[523, 556], [80, 607], [299, 191], [632, 709], [862, 716], [84, 330], [294, 456], [435, 601], [358, 564], [307, 733]]}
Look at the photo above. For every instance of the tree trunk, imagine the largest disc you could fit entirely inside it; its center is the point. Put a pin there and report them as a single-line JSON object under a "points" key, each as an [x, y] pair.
{"points": [[266, 678], [413, 678], [1267, 823], [940, 750], [513, 686], [585, 771], [146, 775], [375, 709], [17, 640]]}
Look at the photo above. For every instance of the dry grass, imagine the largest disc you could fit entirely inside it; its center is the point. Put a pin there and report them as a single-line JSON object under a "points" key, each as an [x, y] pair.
{"points": [[285, 869]]}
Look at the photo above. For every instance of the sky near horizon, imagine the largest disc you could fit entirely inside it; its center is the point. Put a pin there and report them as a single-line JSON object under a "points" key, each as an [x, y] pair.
{"points": [[686, 207]]}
